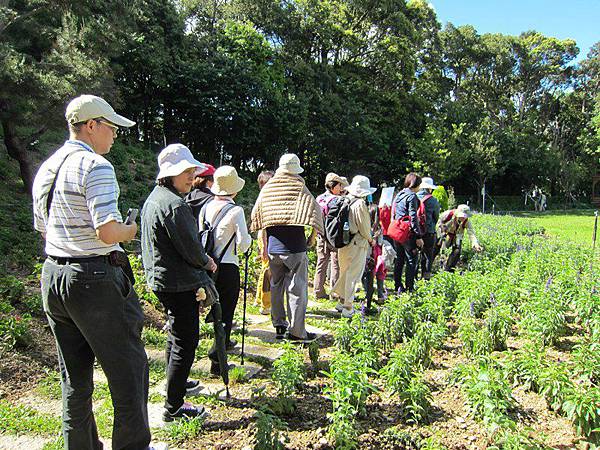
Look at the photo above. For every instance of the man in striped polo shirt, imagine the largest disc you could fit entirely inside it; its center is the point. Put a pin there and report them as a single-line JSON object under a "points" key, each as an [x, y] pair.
{"points": [[92, 308]]}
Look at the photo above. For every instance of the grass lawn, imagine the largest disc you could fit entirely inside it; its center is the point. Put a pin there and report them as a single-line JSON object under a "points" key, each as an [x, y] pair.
{"points": [[576, 225]]}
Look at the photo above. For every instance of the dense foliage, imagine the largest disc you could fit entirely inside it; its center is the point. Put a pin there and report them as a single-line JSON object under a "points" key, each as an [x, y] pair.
{"points": [[377, 89]]}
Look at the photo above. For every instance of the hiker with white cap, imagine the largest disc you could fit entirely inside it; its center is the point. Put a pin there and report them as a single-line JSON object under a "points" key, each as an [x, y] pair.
{"points": [[352, 257], [176, 267], [283, 208], [231, 236], [432, 214], [326, 253], [89, 300], [450, 233]]}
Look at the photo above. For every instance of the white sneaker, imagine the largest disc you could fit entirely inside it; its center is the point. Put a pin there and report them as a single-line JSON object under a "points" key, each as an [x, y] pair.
{"points": [[339, 307], [348, 313], [158, 446], [265, 311]]}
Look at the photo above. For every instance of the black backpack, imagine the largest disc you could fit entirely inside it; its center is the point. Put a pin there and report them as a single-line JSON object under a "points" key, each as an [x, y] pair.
{"points": [[207, 235], [337, 224]]}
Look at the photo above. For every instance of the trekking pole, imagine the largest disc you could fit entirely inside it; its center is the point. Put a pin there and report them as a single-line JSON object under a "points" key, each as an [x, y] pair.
{"points": [[594, 246], [247, 256]]}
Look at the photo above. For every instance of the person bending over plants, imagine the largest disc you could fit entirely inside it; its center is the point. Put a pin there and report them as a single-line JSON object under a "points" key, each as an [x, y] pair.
{"points": [[450, 233]]}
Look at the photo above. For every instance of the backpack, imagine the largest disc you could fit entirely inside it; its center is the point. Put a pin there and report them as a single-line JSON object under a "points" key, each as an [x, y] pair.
{"points": [[399, 229], [421, 214], [207, 234], [337, 225], [323, 200]]}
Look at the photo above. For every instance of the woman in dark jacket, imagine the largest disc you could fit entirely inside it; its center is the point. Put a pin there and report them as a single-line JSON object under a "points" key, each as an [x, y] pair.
{"points": [[406, 203], [175, 265]]}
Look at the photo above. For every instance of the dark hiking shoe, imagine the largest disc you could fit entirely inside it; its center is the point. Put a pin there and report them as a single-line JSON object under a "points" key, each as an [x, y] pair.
{"points": [[192, 387], [231, 345], [185, 411], [309, 337], [280, 332]]}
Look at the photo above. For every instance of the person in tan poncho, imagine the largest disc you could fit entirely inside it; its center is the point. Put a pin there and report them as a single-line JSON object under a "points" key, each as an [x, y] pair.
{"points": [[283, 208], [352, 257]]}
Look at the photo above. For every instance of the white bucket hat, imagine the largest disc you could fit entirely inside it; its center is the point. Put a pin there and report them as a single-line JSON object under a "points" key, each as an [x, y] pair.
{"points": [[86, 107], [463, 211], [360, 186], [226, 181], [427, 183], [174, 159], [290, 163]]}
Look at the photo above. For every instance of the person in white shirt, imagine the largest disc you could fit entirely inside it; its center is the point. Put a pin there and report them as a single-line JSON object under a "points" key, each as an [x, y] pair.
{"points": [[230, 236]]}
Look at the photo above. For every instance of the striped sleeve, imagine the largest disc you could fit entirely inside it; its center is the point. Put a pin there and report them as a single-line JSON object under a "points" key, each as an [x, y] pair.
{"points": [[102, 194]]}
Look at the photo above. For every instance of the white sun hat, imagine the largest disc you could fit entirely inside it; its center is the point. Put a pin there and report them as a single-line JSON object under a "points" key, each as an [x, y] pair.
{"points": [[427, 183], [175, 159], [226, 181], [463, 211], [360, 186], [290, 163], [86, 107]]}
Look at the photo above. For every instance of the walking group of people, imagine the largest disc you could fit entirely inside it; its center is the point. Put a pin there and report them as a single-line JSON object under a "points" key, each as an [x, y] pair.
{"points": [[191, 234]]}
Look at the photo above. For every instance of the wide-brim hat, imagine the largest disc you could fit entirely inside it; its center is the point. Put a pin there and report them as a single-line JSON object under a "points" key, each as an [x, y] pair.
{"points": [[226, 181], [290, 163], [427, 183], [87, 107], [463, 211], [174, 159], [331, 176], [360, 186]]}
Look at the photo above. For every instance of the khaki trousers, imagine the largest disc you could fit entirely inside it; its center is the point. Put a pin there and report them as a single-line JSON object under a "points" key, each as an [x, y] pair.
{"points": [[325, 253], [352, 259]]}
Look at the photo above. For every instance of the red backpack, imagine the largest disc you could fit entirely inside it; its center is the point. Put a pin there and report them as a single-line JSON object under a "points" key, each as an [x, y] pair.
{"points": [[421, 215]]}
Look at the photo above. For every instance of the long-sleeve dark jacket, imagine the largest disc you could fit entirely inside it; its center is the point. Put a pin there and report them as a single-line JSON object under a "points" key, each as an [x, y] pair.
{"points": [[406, 204], [172, 254], [432, 210]]}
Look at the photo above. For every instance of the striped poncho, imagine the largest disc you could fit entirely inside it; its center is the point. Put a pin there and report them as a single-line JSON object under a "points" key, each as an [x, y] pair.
{"points": [[285, 200]]}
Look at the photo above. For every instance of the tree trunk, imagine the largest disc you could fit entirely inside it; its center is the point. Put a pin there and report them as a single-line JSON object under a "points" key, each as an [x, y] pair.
{"points": [[17, 150]]}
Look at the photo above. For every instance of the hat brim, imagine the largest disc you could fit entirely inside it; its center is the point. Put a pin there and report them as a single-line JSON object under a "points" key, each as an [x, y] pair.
{"points": [[427, 186], [119, 120], [462, 215], [360, 192], [177, 169], [294, 171], [239, 185]]}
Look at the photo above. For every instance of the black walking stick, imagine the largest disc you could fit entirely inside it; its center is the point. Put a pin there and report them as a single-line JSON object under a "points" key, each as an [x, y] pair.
{"points": [[247, 255]]}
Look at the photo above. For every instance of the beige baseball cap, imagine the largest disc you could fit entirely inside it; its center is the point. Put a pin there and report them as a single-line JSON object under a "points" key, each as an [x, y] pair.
{"points": [[86, 107]]}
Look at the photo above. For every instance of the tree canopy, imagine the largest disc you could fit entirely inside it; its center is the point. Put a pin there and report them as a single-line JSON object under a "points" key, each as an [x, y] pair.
{"points": [[354, 86]]}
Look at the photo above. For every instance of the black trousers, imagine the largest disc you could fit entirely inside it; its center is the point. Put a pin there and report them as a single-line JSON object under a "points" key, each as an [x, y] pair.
{"points": [[367, 281], [429, 241], [399, 266], [184, 328], [228, 287], [94, 313]]}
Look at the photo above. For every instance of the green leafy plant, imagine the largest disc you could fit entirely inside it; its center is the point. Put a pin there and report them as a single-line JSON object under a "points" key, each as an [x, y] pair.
{"points": [[417, 400], [270, 432], [288, 371], [488, 394], [14, 330], [583, 409]]}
